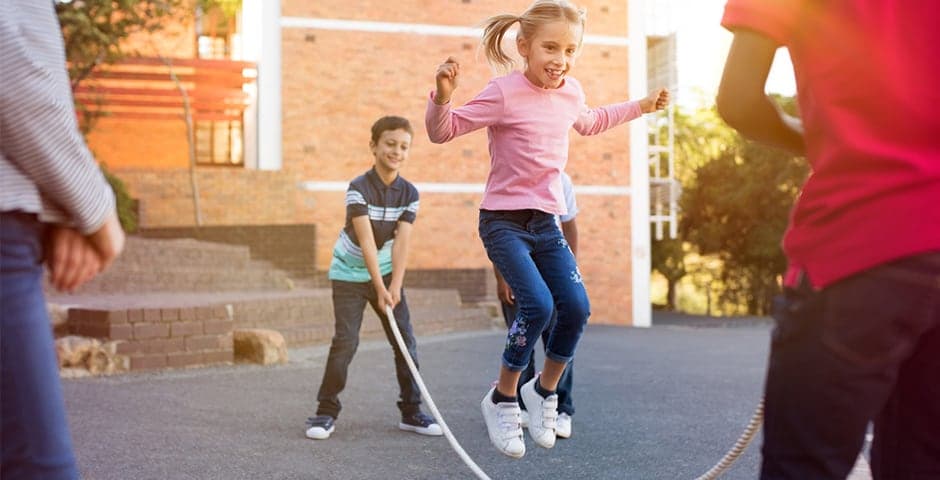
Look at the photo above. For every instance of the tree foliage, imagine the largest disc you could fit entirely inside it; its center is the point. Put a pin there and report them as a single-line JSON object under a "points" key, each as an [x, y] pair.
{"points": [[735, 207], [95, 30], [700, 135], [668, 258], [96, 33]]}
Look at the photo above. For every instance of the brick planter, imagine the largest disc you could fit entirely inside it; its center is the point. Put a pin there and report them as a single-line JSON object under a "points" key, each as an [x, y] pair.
{"points": [[154, 338]]}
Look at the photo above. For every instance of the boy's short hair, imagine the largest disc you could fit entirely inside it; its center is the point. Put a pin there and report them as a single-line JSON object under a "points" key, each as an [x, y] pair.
{"points": [[390, 122]]}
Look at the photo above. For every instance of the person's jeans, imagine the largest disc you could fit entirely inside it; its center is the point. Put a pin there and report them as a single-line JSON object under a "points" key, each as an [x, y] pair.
{"points": [[528, 249], [36, 442], [565, 400], [349, 302], [865, 348]]}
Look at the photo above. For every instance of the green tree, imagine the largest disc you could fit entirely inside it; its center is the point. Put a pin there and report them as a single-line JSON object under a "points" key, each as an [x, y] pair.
{"points": [[737, 208], [95, 31], [700, 135], [668, 258]]}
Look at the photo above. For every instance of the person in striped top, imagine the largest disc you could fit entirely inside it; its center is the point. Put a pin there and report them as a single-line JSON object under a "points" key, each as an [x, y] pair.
{"points": [[55, 208], [368, 266]]}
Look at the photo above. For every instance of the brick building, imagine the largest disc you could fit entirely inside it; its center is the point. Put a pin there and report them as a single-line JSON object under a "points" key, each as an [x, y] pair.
{"points": [[325, 71]]}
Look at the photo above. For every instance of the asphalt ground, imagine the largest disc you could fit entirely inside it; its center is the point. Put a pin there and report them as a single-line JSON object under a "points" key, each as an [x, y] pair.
{"points": [[657, 403]]}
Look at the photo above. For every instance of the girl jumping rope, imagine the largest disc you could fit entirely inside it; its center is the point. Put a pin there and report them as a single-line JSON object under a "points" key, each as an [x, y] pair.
{"points": [[528, 116]]}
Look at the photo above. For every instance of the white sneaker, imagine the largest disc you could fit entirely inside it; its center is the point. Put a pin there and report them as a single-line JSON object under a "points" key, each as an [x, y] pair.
{"points": [[321, 426], [543, 413], [563, 425], [525, 418], [503, 425], [422, 423]]}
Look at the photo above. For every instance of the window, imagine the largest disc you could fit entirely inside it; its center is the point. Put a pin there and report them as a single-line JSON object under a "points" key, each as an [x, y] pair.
{"points": [[219, 143], [214, 30]]}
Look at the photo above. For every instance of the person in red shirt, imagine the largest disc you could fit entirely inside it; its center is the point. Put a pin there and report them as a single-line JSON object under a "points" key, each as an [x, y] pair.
{"points": [[858, 328]]}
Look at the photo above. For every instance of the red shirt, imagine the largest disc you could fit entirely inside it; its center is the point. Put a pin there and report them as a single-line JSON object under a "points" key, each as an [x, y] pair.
{"points": [[868, 82]]}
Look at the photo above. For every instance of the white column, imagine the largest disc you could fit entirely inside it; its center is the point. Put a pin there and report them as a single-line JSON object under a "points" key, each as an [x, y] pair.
{"points": [[639, 172], [269, 87], [248, 49]]}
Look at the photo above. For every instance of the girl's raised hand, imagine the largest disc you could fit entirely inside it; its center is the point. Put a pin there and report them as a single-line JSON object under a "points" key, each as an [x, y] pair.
{"points": [[656, 100], [446, 78]]}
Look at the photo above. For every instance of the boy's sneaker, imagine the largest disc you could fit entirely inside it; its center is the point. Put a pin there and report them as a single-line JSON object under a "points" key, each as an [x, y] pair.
{"points": [[563, 425], [525, 418], [420, 423], [543, 415], [503, 425], [321, 426]]}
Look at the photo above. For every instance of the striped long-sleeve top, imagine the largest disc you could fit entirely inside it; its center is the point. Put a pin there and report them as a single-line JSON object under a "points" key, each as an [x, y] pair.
{"points": [[45, 166]]}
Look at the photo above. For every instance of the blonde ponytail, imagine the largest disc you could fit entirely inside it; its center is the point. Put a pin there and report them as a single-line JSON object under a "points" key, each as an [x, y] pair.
{"points": [[538, 14], [494, 30]]}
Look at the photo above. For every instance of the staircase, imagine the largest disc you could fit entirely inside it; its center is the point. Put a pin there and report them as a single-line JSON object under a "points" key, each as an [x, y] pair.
{"points": [[175, 303]]}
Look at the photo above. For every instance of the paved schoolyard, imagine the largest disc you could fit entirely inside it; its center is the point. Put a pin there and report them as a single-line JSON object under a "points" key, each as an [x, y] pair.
{"points": [[658, 403]]}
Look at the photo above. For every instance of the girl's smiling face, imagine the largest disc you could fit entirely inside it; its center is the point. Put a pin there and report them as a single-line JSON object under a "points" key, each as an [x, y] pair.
{"points": [[550, 53]]}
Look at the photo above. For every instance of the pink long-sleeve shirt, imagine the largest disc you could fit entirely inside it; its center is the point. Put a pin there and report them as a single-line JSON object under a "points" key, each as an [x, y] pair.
{"points": [[528, 130]]}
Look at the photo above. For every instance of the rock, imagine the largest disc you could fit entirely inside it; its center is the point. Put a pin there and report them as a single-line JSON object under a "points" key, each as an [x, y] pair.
{"points": [[72, 350], [58, 314], [98, 361], [59, 318], [255, 345], [88, 355]]}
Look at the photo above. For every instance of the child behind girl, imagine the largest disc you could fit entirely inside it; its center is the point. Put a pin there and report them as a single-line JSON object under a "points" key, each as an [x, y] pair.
{"points": [[528, 116]]}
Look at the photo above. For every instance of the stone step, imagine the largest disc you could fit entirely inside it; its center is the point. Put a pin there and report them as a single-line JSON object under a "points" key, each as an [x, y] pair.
{"points": [[155, 265], [424, 321], [161, 278], [316, 305], [182, 252], [165, 329]]}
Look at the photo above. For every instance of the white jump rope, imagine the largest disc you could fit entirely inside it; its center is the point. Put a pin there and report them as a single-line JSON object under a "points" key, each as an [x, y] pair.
{"points": [[427, 398], [743, 441]]}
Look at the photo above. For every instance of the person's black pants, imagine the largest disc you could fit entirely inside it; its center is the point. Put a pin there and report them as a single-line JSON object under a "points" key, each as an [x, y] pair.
{"points": [[349, 302], [864, 349]]}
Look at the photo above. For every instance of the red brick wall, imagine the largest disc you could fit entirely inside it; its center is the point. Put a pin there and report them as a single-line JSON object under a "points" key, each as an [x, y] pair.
{"points": [[336, 83], [339, 82], [228, 196]]}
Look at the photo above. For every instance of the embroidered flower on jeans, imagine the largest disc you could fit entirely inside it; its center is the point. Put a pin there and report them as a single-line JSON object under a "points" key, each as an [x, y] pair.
{"points": [[517, 334], [576, 276]]}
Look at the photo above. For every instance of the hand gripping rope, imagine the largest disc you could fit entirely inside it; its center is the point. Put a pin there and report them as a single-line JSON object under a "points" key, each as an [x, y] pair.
{"points": [[743, 441], [427, 398]]}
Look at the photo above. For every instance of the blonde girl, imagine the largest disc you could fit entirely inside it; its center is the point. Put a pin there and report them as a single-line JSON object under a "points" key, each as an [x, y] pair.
{"points": [[528, 115]]}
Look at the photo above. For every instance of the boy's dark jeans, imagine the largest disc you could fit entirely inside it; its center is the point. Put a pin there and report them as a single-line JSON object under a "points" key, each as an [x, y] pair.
{"points": [[565, 401], [864, 349], [349, 301]]}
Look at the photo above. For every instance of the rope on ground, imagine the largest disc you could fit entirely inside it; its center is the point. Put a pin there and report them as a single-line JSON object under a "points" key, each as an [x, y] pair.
{"points": [[427, 398], [743, 441]]}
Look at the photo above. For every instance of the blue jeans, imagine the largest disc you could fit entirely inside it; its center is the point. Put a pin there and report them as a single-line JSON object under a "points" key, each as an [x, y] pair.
{"points": [[866, 348], [528, 249], [565, 400], [36, 442], [349, 302]]}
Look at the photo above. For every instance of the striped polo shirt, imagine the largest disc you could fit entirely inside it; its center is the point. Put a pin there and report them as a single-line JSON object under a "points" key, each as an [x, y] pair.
{"points": [[386, 205]]}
